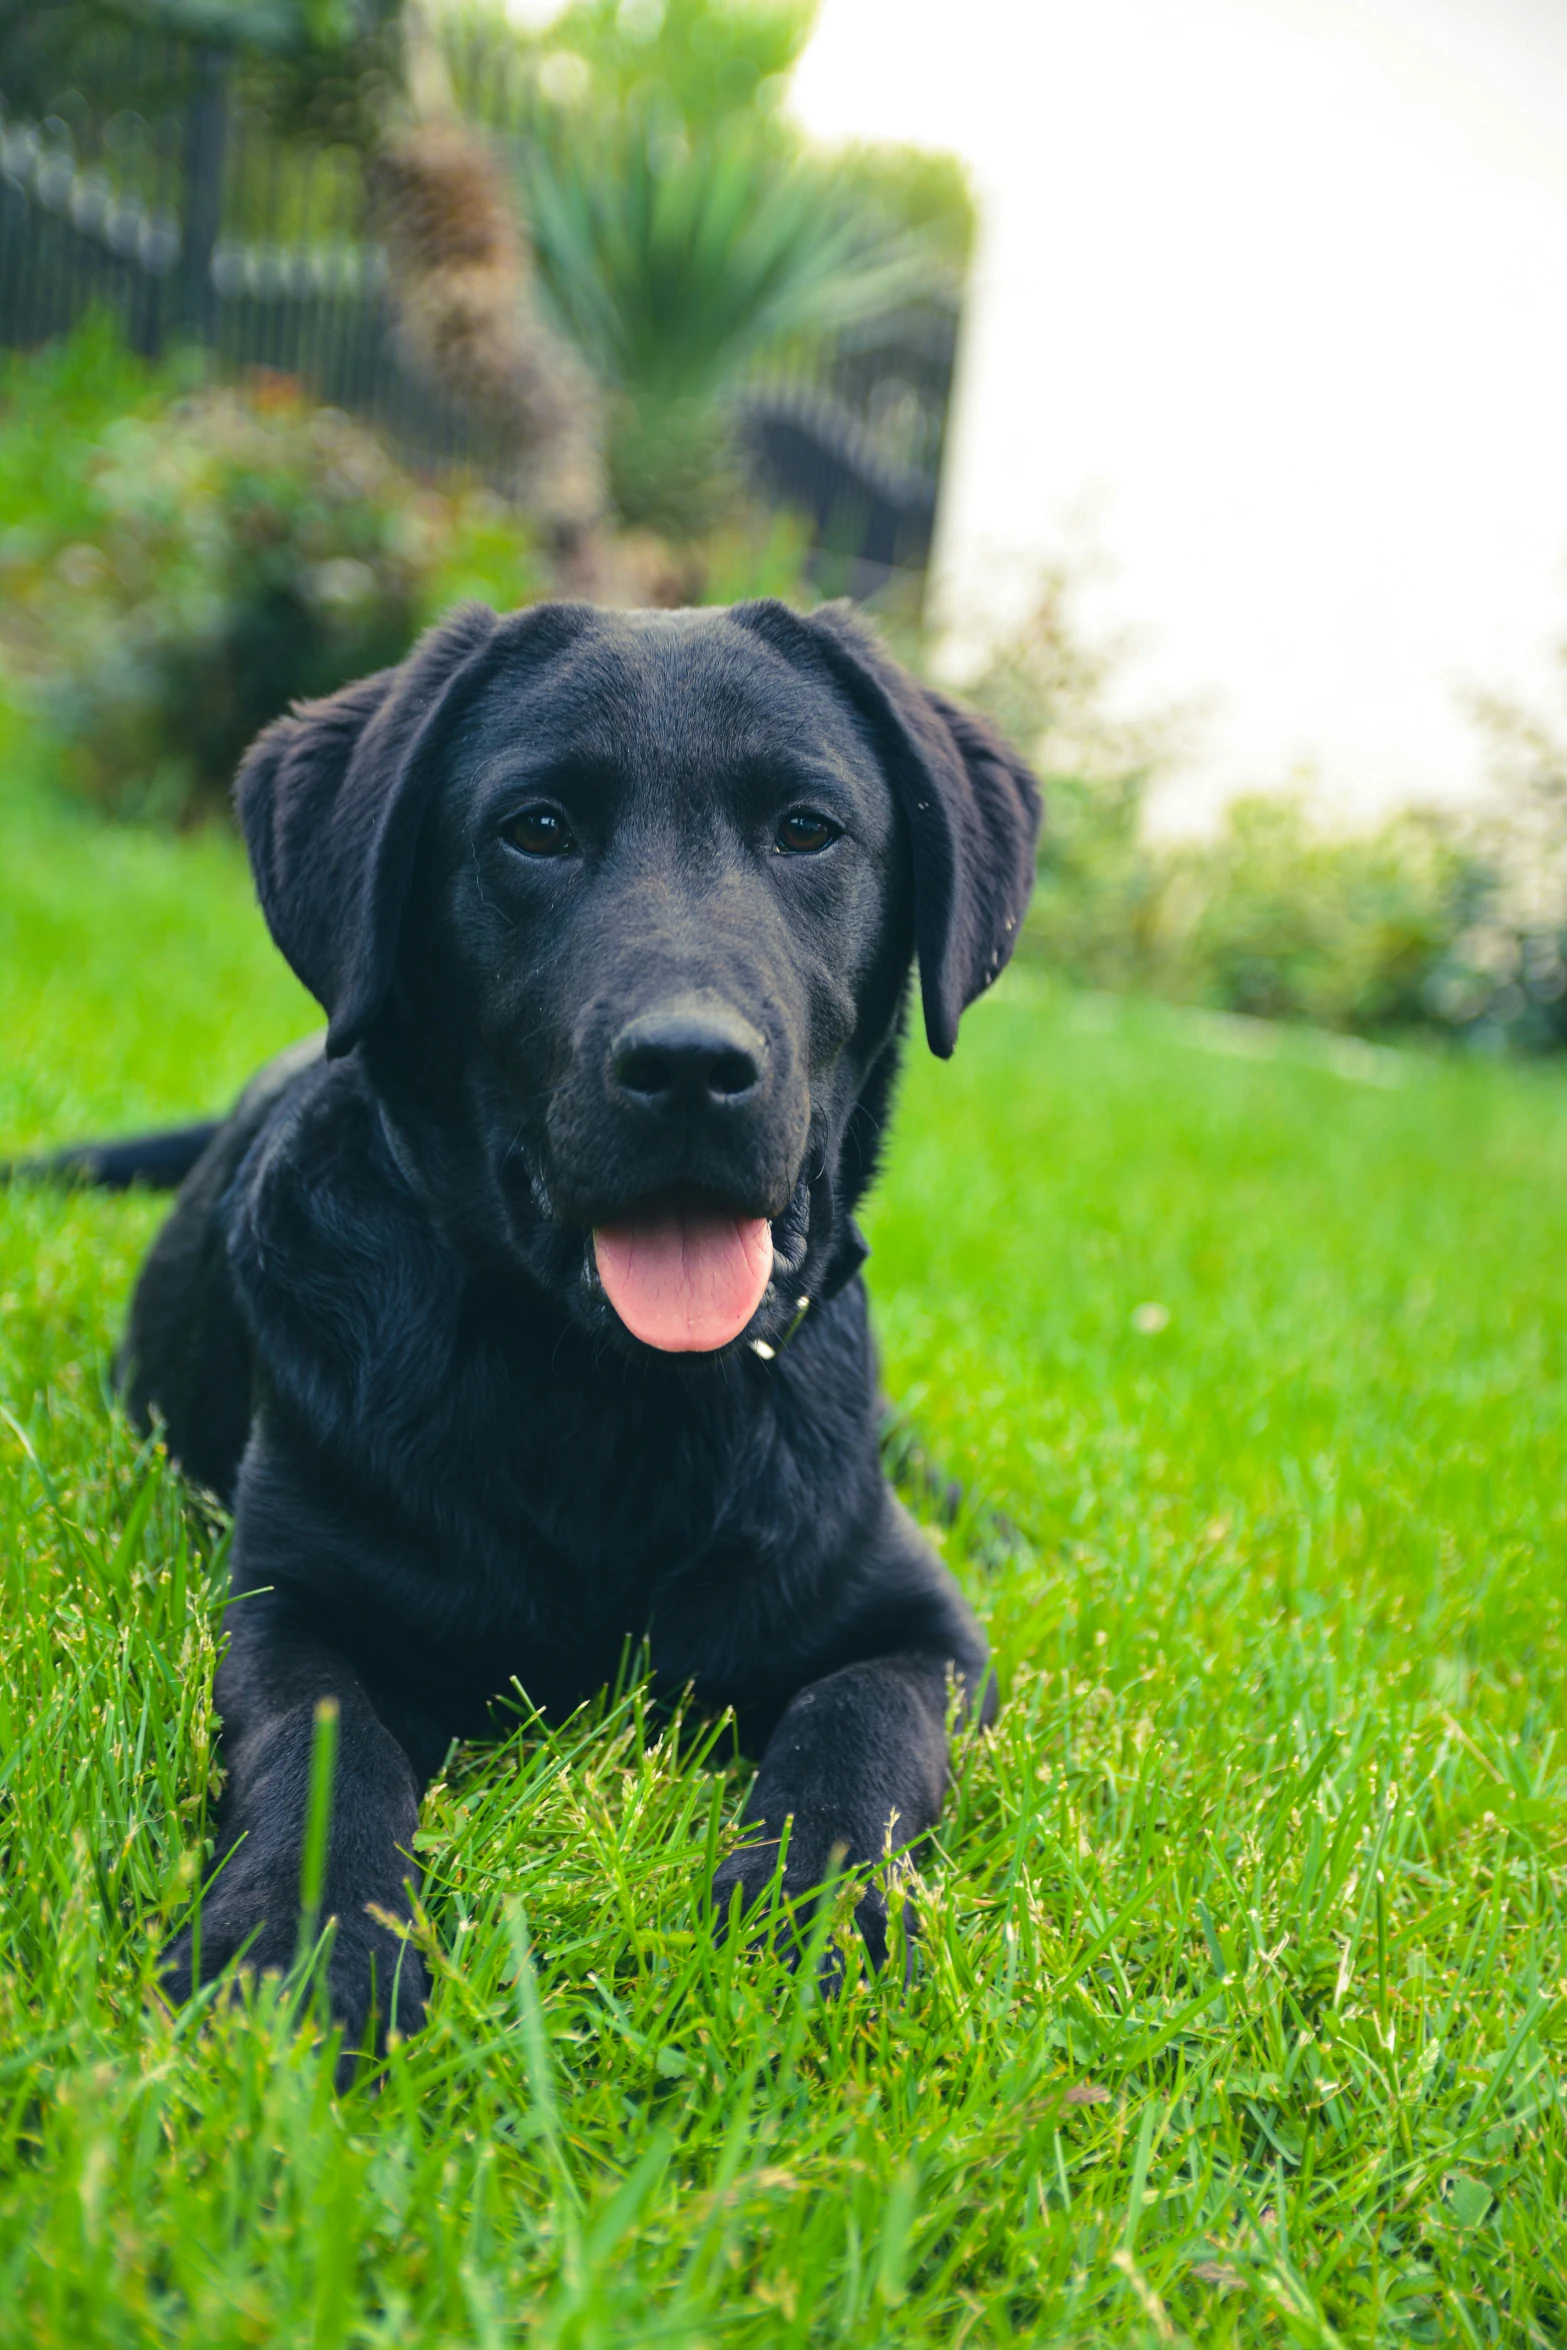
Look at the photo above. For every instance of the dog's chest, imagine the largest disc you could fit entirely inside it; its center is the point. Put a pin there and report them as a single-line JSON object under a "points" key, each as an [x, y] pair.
{"points": [[538, 1500], [563, 1519]]}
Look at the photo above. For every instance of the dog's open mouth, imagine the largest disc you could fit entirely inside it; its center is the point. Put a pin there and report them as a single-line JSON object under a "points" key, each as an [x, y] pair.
{"points": [[684, 1271]]}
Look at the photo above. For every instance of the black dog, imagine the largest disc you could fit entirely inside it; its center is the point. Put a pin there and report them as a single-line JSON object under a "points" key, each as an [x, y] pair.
{"points": [[528, 1318]]}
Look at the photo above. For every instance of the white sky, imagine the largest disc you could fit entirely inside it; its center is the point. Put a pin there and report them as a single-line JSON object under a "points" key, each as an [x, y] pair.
{"points": [[1274, 293]]}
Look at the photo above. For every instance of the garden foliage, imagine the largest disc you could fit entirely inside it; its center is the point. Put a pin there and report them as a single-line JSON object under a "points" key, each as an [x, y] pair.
{"points": [[179, 560], [182, 559], [683, 228], [1452, 924]]}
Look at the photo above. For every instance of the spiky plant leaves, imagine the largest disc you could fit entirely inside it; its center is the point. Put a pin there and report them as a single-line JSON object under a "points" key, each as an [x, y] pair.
{"points": [[676, 264]]}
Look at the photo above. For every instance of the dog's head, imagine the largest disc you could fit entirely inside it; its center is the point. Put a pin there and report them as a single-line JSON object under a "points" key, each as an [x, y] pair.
{"points": [[621, 909]]}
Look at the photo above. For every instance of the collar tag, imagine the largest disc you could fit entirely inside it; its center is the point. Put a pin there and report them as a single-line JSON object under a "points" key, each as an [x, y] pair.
{"points": [[770, 1354]]}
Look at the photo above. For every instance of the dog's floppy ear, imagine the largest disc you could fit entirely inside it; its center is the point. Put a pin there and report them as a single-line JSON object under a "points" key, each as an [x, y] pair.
{"points": [[971, 804], [331, 800]]}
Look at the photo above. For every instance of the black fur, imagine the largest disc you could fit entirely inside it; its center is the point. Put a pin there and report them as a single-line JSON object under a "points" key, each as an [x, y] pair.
{"points": [[373, 1318]]}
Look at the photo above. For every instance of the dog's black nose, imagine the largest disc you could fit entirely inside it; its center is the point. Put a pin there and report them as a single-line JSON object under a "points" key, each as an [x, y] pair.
{"points": [[691, 1056]]}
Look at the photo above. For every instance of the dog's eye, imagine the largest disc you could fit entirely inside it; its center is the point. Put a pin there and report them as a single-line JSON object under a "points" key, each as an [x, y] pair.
{"points": [[805, 832], [540, 832]]}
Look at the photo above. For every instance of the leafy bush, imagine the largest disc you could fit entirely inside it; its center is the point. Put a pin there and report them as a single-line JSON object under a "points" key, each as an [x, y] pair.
{"points": [[180, 561], [1277, 919], [1452, 924], [1516, 961], [1051, 689]]}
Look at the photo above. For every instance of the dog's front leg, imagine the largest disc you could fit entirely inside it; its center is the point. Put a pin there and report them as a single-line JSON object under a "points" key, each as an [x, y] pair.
{"points": [[857, 1765], [279, 1668]]}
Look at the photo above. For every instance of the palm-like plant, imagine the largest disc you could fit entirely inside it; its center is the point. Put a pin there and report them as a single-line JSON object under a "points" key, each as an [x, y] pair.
{"points": [[677, 264], [682, 230], [675, 270]]}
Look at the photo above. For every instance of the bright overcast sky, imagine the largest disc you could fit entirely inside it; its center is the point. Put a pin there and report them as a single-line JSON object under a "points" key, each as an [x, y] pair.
{"points": [[1271, 305]]}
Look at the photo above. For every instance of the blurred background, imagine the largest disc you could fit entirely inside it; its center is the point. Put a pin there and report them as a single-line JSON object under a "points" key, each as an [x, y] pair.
{"points": [[1185, 384]]}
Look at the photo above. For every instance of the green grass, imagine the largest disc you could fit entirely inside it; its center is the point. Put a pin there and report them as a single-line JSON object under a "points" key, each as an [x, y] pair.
{"points": [[1240, 2008]]}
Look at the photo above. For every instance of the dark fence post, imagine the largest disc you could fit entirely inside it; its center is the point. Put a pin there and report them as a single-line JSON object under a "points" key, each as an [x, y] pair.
{"points": [[201, 212]]}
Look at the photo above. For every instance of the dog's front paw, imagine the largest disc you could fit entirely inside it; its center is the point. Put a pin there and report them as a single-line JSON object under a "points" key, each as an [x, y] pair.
{"points": [[374, 1980], [752, 1871], [225, 1931]]}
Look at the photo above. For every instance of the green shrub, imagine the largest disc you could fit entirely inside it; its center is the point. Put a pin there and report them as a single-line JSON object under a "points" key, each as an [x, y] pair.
{"points": [[1456, 925], [182, 560], [1052, 690], [1515, 963], [1411, 926], [1278, 919]]}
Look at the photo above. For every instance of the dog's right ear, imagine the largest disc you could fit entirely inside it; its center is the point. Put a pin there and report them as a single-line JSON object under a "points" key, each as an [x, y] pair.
{"points": [[331, 801]]}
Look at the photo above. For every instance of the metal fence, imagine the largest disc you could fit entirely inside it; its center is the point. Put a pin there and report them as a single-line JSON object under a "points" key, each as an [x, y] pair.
{"points": [[851, 437], [856, 443], [70, 243]]}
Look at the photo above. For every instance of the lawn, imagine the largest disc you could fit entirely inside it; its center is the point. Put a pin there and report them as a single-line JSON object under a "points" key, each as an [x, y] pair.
{"points": [[1240, 2006]]}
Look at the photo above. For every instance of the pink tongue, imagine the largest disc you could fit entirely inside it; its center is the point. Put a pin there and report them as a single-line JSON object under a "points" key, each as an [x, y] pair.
{"points": [[685, 1275]]}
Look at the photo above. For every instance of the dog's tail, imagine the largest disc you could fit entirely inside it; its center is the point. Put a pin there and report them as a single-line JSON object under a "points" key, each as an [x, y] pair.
{"points": [[161, 1162]]}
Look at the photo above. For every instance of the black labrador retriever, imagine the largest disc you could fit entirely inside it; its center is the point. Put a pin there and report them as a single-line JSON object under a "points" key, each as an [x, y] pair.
{"points": [[528, 1317]]}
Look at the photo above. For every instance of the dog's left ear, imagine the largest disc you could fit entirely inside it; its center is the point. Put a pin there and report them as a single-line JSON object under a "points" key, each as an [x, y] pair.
{"points": [[972, 807]]}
